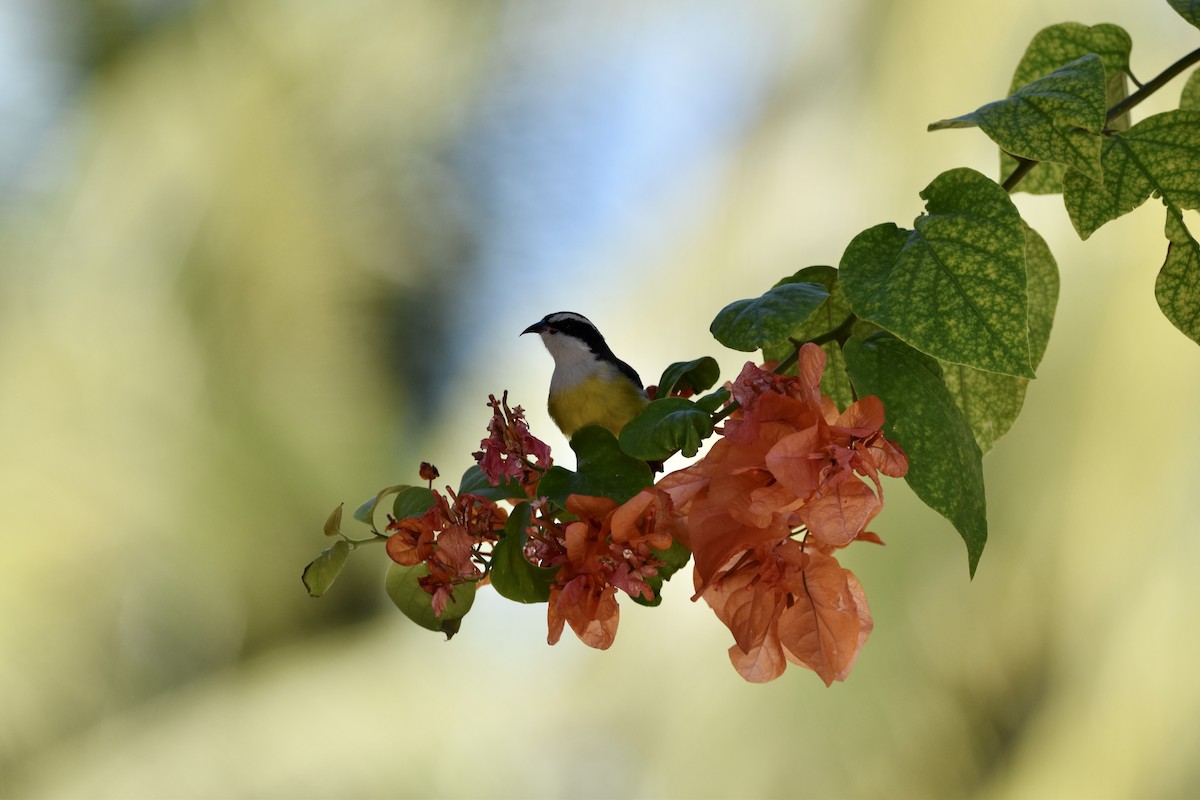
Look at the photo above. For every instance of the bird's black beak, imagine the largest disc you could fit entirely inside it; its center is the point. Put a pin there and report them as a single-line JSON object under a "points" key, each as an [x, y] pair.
{"points": [[536, 327]]}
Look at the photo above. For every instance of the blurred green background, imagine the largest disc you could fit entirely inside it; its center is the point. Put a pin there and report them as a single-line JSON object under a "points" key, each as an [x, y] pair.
{"points": [[261, 257]]}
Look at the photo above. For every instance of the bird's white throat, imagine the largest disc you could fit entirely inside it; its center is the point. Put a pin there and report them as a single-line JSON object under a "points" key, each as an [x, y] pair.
{"points": [[574, 362]]}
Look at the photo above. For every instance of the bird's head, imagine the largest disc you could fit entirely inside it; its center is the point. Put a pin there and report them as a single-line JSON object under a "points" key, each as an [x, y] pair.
{"points": [[590, 385], [570, 337]]}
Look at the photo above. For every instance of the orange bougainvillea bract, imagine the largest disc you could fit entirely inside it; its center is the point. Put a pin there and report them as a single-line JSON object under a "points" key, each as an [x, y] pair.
{"points": [[790, 482], [445, 538], [609, 547]]}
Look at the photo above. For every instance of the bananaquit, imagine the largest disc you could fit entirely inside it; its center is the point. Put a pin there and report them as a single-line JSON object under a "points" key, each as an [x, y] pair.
{"points": [[590, 385]]}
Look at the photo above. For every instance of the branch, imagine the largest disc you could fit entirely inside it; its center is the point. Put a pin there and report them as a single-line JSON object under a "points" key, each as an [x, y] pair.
{"points": [[1024, 165], [1153, 85]]}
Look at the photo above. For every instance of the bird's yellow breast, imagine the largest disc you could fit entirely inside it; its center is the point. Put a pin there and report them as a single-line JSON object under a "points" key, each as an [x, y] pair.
{"points": [[598, 400]]}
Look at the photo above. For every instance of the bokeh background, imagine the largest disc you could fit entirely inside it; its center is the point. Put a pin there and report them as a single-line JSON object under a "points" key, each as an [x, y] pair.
{"points": [[261, 257]]}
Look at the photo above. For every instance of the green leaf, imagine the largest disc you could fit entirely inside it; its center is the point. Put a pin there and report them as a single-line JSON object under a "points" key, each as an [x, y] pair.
{"points": [[1041, 272], [1159, 155], [413, 501], [402, 585], [1065, 42], [674, 558], [955, 287], [366, 511], [1052, 48], [990, 402], [945, 464], [1188, 9], [1177, 288], [831, 315], [693, 376], [835, 382], [512, 575], [1056, 118], [828, 317], [320, 574], [333, 524], [475, 482], [666, 426], [603, 470], [1189, 99], [760, 322], [714, 400]]}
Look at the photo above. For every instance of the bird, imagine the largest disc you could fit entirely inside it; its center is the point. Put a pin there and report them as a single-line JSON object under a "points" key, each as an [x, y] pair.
{"points": [[590, 385]]}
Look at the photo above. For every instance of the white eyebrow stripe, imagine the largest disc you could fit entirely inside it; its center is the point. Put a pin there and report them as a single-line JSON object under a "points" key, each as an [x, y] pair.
{"points": [[563, 316]]}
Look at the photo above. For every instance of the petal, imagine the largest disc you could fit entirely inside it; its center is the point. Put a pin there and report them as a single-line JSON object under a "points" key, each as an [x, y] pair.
{"points": [[733, 494], [454, 546], [402, 549], [683, 486], [590, 508], [751, 613], [763, 663], [598, 629], [752, 382], [734, 577], [840, 515], [716, 538], [642, 516], [866, 624], [810, 368], [769, 501], [554, 618], [864, 417], [824, 629], [888, 457], [768, 420], [796, 461]]}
